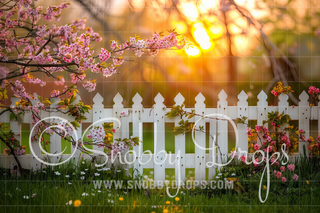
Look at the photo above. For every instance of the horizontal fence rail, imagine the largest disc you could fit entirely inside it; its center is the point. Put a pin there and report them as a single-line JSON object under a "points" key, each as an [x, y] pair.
{"points": [[137, 115]]}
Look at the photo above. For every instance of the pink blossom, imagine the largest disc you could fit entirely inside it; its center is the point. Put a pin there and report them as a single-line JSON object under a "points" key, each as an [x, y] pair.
{"points": [[295, 177], [256, 147], [282, 168], [291, 167], [283, 179], [279, 174]]}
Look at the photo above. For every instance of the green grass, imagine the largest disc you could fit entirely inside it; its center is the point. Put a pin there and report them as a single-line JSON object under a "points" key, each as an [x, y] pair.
{"points": [[48, 191]]}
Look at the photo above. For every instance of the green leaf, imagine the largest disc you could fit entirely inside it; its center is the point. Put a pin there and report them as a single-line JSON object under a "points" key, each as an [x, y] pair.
{"points": [[13, 117]]}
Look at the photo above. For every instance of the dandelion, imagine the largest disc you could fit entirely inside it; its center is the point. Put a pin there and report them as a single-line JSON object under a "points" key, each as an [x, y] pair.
{"points": [[165, 211], [168, 202], [307, 182], [121, 198], [264, 187], [177, 199], [76, 203]]}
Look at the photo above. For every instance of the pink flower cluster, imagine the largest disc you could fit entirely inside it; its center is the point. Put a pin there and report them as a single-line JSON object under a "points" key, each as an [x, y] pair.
{"points": [[120, 146], [313, 90], [291, 167], [97, 134]]}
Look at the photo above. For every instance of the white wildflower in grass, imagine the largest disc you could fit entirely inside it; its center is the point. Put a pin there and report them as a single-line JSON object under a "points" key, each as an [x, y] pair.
{"points": [[112, 201], [125, 192], [99, 191], [33, 195], [73, 173], [44, 171], [96, 174], [218, 177], [69, 183], [151, 172], [67, 176], [82, 177], [119, 170], [109, 195], [57, 173], [145, 177], [85, 194], [233, 174], [25, 197], [69, 203], [82, 162], [85, 169], [82, 173], [92, 194]]}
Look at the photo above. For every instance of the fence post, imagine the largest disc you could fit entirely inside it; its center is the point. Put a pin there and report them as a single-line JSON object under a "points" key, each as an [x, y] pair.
{"points": [[242, 128], [97, 114], [137, 132], [222, 128], [55, 139], [180, 146], [159, 138], [35, 164], [116, 112], [262, 107], [16, 129], [200, 139], [304, 120], [79, 134]]}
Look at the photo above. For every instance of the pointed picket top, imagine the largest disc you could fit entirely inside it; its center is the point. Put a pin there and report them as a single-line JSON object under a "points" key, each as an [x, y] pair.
{"points": [[303, 99], [242, 99], [137, 99], [118, 100], [97, 100], [200, 98], [159, 100], [78, 98], [283, 99], [54, 102], [222, 95], [36, 99], [262, 99], [179, 99], [222, 99]]}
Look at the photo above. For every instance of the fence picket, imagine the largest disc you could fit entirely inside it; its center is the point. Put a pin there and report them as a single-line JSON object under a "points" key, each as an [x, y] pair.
{"points": [[222, 127], [137, 132], [242, 128], [180, 147], [159, 139], [304, 120], [200, 139]]}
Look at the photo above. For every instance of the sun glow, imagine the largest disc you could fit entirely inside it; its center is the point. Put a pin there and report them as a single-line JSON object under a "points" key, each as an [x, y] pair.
{"points": [[192, 51]]}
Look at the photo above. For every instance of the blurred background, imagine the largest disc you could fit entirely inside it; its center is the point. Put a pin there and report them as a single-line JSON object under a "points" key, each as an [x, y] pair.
{"points": [[236, 45]]}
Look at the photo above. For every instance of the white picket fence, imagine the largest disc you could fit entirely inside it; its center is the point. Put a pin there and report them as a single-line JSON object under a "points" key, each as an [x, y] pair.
{"points": [[137, 115]]}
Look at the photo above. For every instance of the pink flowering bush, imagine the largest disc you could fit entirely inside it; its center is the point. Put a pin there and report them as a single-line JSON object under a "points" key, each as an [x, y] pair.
{"points": [[30, 49]]}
